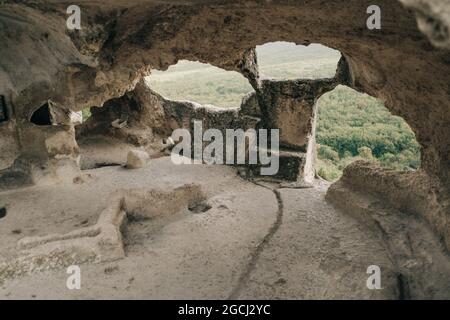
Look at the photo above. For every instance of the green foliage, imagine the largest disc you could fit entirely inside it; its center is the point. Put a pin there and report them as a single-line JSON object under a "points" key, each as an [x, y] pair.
{"points": [[327, 153], [365, 153], [327, 170], [357, 126], [200, 83], [86, 113]]}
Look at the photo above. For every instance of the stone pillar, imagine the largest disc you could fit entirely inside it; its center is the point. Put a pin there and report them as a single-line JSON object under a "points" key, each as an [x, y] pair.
{"points": [[290, 106]]}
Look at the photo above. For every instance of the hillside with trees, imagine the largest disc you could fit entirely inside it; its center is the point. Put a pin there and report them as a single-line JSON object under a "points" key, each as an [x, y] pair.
{"points": [[354, 126]]}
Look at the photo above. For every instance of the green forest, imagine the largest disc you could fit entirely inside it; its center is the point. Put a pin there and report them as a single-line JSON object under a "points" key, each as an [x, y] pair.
{"points": [[351, 125]]}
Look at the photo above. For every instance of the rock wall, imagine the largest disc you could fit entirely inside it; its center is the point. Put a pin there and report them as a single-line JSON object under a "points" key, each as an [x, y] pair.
{"points": [[413, 193], [142, 117], [148, 119], [9, 145], [32, 153], [119, 44], [433, 18], [406, 64]]}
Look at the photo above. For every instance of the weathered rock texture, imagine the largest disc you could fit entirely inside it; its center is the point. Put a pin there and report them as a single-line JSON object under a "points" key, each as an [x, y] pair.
{"points": [[121, 41], [149, 119], [142, 117], [393, 205], [413, 193], [290, 106], [136, 159], [433, 17], [102, 241]]}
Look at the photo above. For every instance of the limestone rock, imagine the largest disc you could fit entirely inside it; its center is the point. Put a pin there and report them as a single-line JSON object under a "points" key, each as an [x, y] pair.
{"points": [[250, 106], [116, 48], [433, 19], [137, 159], [406, 65], [414, 193]]}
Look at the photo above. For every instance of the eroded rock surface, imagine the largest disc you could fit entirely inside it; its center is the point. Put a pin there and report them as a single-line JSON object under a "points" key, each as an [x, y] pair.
{"points": [[413, 193], [45, 66], [136, 159], [433, 17], [102, 242], [394, 206], [120, 43]]}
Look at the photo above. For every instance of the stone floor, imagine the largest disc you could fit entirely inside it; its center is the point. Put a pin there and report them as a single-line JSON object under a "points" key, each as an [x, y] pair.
{"points": [[245, 240]]}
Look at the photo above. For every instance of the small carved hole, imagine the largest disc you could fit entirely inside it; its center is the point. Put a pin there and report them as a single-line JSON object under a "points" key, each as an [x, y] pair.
{"points": [[2, 212], [199, 207], [3, 110], [42, 116]]}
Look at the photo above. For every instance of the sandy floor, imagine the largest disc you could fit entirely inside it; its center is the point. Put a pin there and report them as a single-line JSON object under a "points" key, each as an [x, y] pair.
{"points": [[254, 242]]}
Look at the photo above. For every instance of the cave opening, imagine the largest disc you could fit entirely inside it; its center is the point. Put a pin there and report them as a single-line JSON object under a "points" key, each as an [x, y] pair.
{"points": [[169, 227], [354, 126], [350, 126], [2, 212], [85, 114], [3, 109], [42, 116], [201, 83]]}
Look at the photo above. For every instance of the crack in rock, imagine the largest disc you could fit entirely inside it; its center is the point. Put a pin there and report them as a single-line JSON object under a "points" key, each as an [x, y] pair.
{"points": [[255, 255]]}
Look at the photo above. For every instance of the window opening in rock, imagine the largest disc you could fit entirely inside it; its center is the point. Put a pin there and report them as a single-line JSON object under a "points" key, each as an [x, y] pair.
{"points": [[354, 126], [201, 83], [3, 110], [85, 114], [42, 116], [288, 61], [2, 212]]}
